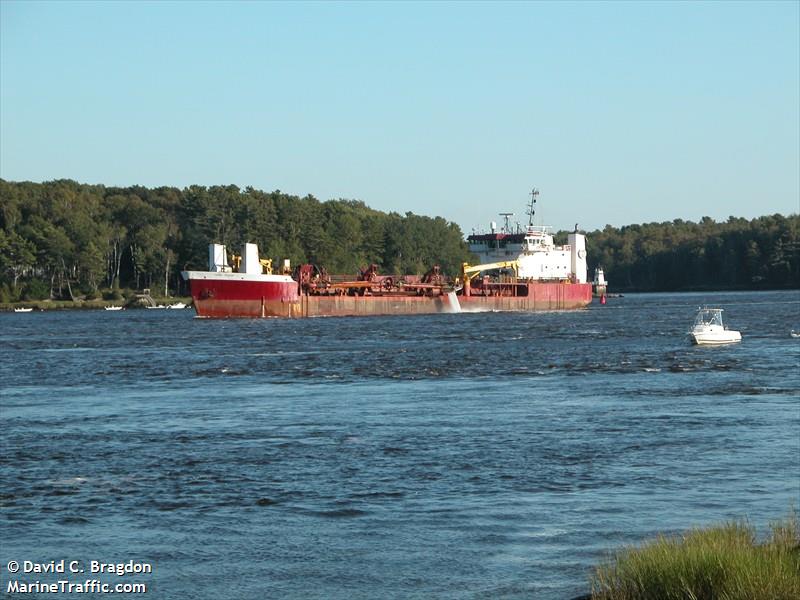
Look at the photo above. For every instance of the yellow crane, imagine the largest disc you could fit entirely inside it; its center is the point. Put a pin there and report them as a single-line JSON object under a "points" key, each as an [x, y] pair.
{"points": [[469, 272], [266, 264]]}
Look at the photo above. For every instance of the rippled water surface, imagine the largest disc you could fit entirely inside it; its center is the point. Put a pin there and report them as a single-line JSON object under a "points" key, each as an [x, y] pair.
{"points": [[451, 456]]}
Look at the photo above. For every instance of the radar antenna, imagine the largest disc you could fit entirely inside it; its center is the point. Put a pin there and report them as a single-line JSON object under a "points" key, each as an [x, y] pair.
{"points": [[532, 206], [505, 217]]}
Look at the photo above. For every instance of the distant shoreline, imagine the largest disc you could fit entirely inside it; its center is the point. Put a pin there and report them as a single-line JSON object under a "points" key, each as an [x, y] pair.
{"points": [[46, 305], [693, 290]]}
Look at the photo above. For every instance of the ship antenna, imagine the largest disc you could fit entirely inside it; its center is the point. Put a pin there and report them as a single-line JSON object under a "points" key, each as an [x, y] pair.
{"points": [[532, 206], [506, 216]]}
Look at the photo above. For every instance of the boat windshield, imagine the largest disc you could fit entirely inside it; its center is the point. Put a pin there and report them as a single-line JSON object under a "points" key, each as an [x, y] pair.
{"points": [[708, 316]]}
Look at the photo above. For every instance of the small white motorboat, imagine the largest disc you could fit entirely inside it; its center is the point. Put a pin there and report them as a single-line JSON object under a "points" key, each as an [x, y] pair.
{"points": [[156, 306], [794, 334], [22, 309], [708, 329], [177, 305], [114, 308]]}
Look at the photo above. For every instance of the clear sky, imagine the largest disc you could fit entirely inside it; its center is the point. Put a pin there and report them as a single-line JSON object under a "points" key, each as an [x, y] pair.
{"points": [[618, 112]]}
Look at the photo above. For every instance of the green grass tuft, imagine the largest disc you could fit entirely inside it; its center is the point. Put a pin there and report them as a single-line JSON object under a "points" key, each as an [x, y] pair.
{"points": [[726, 562]]}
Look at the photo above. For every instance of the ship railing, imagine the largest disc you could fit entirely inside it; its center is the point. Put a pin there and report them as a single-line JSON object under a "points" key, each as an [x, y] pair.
{"points": [[342, 278], [539, 229]]}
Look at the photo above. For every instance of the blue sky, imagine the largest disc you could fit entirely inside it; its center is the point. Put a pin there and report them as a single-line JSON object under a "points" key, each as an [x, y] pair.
{"points": [[618, 112]]}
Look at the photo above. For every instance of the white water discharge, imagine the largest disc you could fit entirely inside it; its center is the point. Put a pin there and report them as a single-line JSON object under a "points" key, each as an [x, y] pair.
{"points": [[452, 305]]}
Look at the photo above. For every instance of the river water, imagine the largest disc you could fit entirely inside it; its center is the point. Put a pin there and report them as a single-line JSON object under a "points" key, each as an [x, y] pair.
{"points": [[489, 455]]}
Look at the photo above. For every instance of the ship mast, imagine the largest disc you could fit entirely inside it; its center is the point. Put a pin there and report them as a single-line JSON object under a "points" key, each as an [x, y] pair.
{"points": [[506, 216], [532, 206]]}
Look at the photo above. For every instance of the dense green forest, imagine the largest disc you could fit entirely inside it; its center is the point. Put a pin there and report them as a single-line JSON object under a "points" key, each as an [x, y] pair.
{"points": [[62, 239], [762, 253]]}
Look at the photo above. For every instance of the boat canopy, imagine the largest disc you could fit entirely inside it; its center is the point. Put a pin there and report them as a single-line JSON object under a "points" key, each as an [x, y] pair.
{"points": [[708, 316]]}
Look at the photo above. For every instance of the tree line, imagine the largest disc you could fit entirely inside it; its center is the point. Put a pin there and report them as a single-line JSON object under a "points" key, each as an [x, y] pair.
{"points": [[63, 239], [761, 253]]}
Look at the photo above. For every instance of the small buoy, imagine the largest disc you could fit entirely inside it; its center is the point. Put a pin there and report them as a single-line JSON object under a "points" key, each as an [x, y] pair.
{"points": [[603, 299]]}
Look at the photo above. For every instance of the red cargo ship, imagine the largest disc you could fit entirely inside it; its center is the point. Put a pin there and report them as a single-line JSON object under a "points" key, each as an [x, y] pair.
{"points": [[521, 270]]}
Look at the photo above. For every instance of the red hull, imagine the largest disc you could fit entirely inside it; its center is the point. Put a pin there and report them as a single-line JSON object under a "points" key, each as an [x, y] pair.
{"points": [[237, 298], [227, 296], [540, 297], [352, 306]]}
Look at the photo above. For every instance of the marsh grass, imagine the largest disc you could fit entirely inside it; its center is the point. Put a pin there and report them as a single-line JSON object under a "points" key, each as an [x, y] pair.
{"points": [[726, 562]]}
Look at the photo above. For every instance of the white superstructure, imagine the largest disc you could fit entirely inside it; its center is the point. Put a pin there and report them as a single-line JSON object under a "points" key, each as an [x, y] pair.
{"points": [[535, 252], [249, 267], [250, 261], [536, 255], [218, 259]]}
